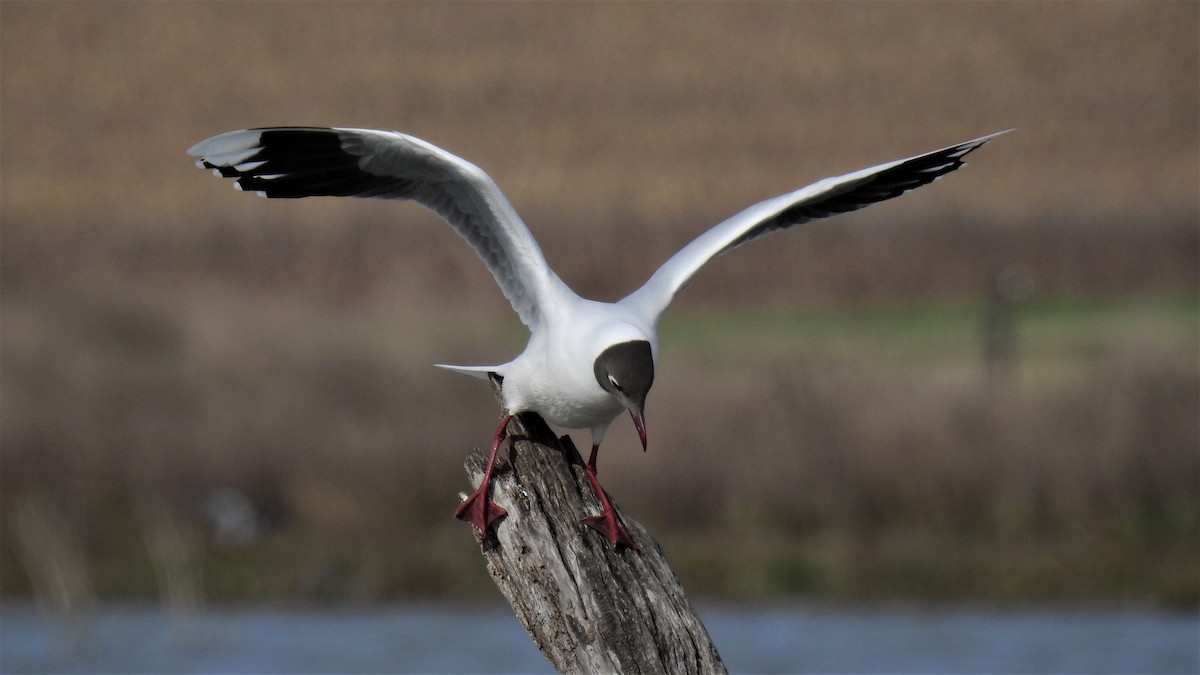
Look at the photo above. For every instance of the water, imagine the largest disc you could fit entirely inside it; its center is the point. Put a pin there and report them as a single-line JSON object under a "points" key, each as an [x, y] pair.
{"points": [[438, 639]]}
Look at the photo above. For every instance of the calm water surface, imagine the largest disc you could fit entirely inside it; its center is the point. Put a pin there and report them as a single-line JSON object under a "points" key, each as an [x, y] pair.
{"points": [[440, 639]]}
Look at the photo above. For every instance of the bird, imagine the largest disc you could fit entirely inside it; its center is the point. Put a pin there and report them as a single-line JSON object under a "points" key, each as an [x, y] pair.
{"points": [[586, 361]]}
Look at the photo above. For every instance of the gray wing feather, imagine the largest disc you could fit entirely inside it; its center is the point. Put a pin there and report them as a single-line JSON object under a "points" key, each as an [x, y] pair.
{"points": [[823, 199], [293, 162]]}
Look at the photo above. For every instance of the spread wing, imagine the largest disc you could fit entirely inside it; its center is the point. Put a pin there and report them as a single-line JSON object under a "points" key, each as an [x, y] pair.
{"points": [[290, 162], [822, 199]]}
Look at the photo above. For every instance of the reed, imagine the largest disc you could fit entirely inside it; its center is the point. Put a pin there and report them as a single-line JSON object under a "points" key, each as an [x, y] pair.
{"points": [[797, 434], [824, 423]]}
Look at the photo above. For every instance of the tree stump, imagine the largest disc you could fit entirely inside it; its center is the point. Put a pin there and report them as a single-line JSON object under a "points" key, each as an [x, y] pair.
{"points": [[589, 607]]}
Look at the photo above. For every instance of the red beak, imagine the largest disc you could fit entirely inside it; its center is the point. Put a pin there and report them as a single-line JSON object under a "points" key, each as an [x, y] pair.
{"points": [[640, 423]]}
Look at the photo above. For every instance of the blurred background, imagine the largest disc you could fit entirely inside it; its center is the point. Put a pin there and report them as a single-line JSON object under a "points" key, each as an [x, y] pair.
{"points": [[986, 391]]}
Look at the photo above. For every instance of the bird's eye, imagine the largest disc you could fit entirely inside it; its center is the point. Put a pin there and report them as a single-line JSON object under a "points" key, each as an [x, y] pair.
{"points": [[613, 381]]}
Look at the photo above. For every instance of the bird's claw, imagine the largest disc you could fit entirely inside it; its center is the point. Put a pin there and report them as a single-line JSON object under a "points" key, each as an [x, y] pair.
{"points": [[478, 510], [610, 525]]}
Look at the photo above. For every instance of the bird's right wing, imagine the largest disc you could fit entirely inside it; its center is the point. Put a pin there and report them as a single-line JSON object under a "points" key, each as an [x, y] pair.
{"points": [[289, 162], [822, 199]]}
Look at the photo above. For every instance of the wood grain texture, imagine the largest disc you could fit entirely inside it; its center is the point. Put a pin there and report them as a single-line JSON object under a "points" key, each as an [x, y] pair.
{"points": [[589, 607]]}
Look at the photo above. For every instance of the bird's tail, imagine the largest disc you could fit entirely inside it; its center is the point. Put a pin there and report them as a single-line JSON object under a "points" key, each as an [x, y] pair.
{"points": [[481, 372]]}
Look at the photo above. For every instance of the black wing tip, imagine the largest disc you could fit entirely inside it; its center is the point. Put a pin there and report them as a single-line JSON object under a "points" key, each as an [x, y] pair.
{"points": [[290, 134], [933, 165], [287, 162], [216, 145], [904, 176], [984, 140]]}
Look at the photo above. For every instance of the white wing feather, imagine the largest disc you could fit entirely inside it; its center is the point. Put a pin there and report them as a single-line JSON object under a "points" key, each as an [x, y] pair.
{"points": [[822, 199], [291, 162]]}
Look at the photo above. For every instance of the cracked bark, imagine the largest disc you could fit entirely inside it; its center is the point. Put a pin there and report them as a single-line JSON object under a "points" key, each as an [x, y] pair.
{"points": [[589, 608]]}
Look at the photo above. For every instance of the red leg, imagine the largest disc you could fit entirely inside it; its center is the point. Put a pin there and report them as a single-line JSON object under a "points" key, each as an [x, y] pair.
{"points": [[608, 522], [477, 509]]}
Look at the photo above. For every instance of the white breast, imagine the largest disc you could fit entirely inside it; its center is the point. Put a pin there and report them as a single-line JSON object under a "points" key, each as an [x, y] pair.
{"points": [[555, 375], [562, 392]]}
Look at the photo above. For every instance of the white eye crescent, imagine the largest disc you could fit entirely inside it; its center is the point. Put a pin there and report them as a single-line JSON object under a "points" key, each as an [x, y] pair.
{"points": [[613, 381]]}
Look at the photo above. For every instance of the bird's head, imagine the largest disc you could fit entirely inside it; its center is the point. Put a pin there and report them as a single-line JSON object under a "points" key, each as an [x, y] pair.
{"points": [[626, 370]]}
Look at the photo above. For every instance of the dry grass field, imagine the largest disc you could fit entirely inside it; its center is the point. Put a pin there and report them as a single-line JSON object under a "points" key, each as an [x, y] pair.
{"points": [[825, 423]]}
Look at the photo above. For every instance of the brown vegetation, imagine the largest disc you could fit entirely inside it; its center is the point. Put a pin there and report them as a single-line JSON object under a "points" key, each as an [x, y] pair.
{"points": [[823, 422]]}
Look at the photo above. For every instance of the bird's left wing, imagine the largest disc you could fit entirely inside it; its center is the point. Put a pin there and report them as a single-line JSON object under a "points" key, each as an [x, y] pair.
{"points": [[293, 162], [822, 199]]}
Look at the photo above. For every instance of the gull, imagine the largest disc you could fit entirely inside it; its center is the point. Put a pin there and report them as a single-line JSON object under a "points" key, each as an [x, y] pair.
{"points": [[586, 361]]}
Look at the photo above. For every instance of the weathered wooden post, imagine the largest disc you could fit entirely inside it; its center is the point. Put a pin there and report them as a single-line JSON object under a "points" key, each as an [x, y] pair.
{"points": [[589, 608]]}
